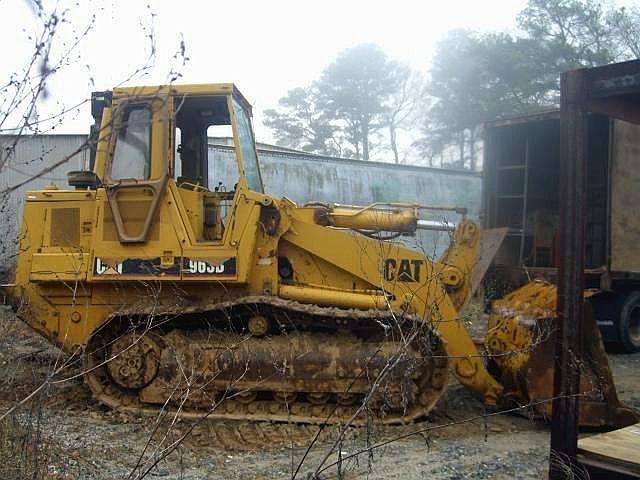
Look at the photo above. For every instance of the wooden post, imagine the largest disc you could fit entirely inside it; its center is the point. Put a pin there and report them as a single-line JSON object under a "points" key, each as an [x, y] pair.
{"points": [[573, 159]]}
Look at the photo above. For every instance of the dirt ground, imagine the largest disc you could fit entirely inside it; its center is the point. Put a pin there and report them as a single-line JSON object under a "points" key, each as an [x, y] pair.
{"points": [[63, 434]]}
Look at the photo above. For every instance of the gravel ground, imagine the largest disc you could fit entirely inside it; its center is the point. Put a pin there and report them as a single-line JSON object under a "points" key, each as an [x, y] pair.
{"points": [[63, 434]]}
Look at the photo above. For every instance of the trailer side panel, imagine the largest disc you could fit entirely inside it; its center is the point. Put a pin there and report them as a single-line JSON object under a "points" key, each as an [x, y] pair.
{"points": [[625, 198]]}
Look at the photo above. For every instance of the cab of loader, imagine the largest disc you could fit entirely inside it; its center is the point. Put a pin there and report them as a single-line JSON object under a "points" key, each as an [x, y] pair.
{"points": [[146, 140]]}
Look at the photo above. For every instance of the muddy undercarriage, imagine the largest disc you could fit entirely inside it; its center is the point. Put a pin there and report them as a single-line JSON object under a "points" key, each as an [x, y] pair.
{"points": [[277, 361]]}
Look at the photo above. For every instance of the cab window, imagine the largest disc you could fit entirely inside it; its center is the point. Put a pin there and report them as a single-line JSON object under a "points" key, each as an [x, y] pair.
{"points": [[248, 149], [132, 153], [199, 121]]}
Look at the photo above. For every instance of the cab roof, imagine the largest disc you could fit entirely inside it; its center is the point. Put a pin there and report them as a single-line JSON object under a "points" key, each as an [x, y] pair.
{"points": [[186, 89]]}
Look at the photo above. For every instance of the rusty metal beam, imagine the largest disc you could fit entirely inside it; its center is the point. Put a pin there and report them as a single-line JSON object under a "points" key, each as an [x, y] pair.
{"points": [[622, 108], [570, 306], [613, 80]]}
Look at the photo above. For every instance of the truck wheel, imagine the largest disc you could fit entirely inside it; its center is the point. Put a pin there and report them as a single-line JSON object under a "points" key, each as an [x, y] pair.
{"points": [[629, 323]]}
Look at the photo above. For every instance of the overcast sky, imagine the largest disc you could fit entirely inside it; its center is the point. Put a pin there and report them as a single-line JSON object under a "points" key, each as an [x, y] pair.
{"points": [[265, 47]]}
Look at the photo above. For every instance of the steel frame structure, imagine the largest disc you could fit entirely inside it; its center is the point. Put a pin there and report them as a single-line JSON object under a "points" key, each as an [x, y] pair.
{"points": [[612, 90]]}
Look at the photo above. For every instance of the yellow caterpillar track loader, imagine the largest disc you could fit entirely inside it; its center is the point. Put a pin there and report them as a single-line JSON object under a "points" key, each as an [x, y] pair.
{"points": [[180, 292]]}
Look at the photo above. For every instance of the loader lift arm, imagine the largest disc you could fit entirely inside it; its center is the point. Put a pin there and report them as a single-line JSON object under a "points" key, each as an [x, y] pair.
{"points": [[410, 282]]}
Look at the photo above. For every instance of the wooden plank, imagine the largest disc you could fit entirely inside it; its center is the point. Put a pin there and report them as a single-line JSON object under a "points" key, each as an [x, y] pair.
{"points": [[619, 447], [602, 469]]}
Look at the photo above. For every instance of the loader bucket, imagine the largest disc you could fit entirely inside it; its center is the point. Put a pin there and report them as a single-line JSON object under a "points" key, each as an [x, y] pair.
{"points": [[520, 342]]}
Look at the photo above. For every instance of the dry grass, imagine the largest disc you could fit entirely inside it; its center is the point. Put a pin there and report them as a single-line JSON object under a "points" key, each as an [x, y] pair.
{"points": [[24, 452]]}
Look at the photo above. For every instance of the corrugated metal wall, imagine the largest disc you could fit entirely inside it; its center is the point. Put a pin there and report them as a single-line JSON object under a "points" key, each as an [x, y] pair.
{"points": [[309, 177], [301, 177]]}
